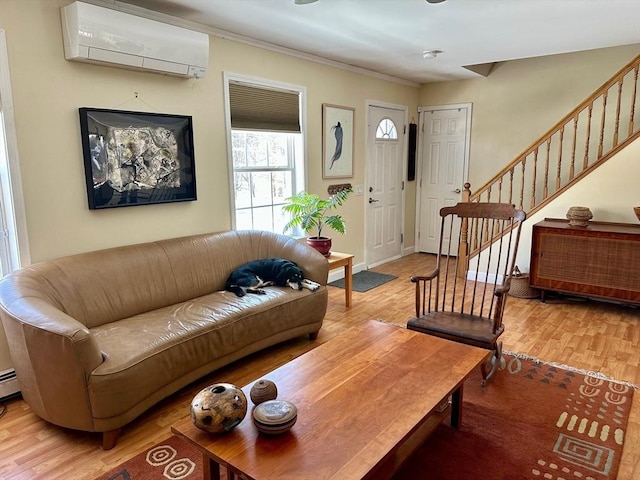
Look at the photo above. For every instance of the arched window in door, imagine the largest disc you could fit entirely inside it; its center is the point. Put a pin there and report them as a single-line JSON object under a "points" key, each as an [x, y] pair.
{"points": [[386, 130]]}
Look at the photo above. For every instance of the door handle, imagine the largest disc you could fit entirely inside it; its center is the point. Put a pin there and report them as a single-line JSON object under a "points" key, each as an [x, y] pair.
{"points": [[457, 190], [371, 200]]}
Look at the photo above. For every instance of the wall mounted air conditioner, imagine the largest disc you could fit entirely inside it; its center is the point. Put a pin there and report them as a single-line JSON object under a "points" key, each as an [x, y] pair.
{"points": [[101, 35]]}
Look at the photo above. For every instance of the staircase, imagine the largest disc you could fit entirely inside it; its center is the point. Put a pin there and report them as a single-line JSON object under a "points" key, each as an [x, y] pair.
{"points": [[584, 139]]}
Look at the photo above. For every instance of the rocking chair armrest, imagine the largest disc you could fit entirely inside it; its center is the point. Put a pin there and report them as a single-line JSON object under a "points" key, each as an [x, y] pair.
{"points": [[503, 289], [425, 278]]}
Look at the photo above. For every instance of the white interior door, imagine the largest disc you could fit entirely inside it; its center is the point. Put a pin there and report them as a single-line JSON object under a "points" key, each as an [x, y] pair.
{"points": [[383, 190], [443, 167]]}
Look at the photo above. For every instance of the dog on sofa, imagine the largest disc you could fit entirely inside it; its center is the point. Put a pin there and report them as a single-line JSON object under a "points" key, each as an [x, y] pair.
{"points": [[253, 276]]}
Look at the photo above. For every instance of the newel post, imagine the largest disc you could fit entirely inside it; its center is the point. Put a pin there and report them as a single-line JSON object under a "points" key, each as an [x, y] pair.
{"points": [[463, 248]]}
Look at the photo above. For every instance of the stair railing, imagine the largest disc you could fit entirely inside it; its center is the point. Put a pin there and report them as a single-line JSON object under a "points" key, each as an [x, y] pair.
{"points": [[584, 139]]}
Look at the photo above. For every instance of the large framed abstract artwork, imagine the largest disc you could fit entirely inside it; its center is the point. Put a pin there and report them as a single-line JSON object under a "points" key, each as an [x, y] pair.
{"points": [[137, 158], [337, 141]]}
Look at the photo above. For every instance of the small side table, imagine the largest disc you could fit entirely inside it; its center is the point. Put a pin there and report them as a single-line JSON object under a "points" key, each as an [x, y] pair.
{"points": [[337, 260]]}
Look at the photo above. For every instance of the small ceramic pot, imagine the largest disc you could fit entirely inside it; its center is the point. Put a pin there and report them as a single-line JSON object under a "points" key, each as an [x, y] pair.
{"points": [[263, 390], [579, 216]]}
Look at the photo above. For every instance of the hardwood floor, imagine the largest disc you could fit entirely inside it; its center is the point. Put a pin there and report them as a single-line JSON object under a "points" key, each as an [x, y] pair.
{"points": [[589, 335]]}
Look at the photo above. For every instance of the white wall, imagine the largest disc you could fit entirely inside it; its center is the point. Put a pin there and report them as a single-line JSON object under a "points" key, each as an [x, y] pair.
{"points": [[522, 99], [48, 90], [610, 191]]}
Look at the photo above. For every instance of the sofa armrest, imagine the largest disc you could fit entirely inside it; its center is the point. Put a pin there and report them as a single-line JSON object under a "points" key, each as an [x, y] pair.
{"points": [[53, 355], [314, 265]]}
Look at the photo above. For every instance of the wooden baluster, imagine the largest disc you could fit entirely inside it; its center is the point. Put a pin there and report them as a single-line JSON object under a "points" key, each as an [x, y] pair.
{"points": [[633, 99], [617, 127], [546, 169], [522, 183], [604, 114], [573, 147], [533, 181], [511, 185], [559, 169], [500, 189], [585, 162]]}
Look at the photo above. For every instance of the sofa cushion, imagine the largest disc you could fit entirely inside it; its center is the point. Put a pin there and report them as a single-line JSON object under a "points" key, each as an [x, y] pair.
{"points": [[179, 342]]}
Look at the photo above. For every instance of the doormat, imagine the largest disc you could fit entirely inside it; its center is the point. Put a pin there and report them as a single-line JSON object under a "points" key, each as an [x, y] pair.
{"points": [[533, 420], [365, 280]]}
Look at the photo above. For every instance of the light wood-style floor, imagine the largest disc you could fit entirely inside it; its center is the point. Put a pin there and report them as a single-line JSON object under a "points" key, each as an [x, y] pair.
{"points": [[589, 335]]}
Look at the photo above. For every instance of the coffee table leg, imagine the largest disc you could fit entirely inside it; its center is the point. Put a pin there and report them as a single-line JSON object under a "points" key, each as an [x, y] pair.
{"points": [[210, 468], [456, 407]]}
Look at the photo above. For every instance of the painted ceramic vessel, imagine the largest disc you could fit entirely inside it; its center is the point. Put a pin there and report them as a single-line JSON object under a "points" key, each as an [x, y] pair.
{"points": [[275, 417], [218, 408]]}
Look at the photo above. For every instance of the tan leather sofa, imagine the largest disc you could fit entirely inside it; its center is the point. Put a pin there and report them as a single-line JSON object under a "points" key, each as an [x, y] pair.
{"points": [[97, 338]]}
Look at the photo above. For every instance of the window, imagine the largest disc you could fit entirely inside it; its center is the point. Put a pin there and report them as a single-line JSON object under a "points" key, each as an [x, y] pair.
{"points": [[267, 152], [14, 251], [386, 130]]}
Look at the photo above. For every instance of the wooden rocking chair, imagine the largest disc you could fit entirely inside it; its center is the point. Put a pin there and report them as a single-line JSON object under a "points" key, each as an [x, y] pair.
{"points": [[463, 299]]}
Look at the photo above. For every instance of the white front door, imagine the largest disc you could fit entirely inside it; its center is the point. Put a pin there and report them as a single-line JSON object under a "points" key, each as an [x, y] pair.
{"points": [[383, 189], [443, 167]]}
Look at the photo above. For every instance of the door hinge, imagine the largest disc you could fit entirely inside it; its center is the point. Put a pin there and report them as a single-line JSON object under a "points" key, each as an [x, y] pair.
{"points": [[404, 130], [402, 238], [402, 184]]}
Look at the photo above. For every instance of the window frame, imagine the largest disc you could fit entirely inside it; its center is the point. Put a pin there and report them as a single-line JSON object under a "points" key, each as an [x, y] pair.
{"points": [[299, 176], [13, 221], [388, 137]]}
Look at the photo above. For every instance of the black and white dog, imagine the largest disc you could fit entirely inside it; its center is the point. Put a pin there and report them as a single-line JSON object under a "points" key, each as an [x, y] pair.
{"points": [[252, 276]]}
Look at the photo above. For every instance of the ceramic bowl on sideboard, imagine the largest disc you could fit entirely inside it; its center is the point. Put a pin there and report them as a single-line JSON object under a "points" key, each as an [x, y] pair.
{"points": [[636, 210]]}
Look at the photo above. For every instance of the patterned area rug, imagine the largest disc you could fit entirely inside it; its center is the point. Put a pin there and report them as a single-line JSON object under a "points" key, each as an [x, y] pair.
{"points": [[365, 280], [532, 421]]}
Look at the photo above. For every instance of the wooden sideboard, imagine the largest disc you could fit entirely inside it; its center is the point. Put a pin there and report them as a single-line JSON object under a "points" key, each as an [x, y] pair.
{"points": [[601, 260]]}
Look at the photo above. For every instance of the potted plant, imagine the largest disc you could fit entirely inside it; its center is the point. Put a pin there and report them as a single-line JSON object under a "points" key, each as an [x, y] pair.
{"points": [[311, 213]]}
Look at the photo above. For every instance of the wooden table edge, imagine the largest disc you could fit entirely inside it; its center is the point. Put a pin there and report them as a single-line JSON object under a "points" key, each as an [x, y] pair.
{"points": [[387, 466], [391, 463]]}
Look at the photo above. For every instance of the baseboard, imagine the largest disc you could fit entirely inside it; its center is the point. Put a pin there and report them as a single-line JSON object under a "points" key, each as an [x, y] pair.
{"points": [[485, 277], [9, 385], [408, 250]]}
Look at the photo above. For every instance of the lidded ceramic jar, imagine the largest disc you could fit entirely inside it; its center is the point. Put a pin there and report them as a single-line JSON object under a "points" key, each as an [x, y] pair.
{"points": [[263, 390], [275, 417]]}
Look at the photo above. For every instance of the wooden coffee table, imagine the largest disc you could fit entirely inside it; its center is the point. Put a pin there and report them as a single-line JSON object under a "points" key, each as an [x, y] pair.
{"points": [[366, 400]]}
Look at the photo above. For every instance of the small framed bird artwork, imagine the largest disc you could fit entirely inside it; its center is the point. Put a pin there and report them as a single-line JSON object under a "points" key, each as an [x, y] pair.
{"points": [[337, 141]]}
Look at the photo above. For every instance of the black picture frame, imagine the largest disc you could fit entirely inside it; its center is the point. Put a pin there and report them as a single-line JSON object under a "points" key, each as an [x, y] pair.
{"points": [[137, 158]]}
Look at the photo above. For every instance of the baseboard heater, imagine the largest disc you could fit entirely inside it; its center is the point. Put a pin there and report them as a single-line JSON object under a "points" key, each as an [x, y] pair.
{"points": [[9, 386]]}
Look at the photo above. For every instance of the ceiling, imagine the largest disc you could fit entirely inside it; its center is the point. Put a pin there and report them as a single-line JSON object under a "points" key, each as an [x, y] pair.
{"points": [[389, 36]]}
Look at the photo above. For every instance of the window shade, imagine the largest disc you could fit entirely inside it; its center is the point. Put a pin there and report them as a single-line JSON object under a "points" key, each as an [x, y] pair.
{"points": [[257, 108]]}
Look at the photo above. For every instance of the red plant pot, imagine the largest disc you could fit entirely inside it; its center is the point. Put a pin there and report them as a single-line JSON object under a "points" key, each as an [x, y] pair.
{"points": [[321, 244]]}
